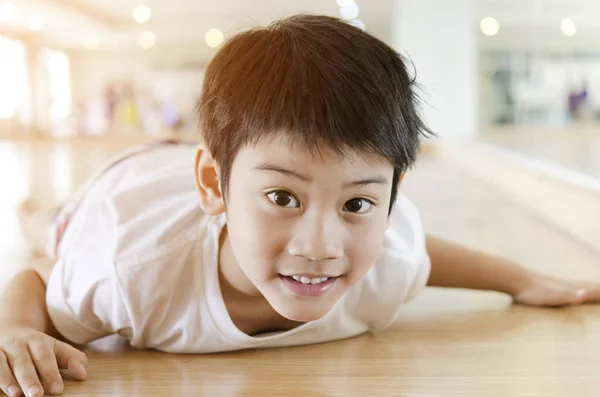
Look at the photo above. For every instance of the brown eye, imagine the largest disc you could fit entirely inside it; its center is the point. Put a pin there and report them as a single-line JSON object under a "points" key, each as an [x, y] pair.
{"points": [[283, 199], [358, 205]]}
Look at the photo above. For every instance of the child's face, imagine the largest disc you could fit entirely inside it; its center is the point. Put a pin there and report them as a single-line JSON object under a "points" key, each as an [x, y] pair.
{"points": [[293, 218]]}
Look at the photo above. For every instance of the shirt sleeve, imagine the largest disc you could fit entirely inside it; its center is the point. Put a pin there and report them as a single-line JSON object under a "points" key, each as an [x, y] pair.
{"points": [[83, 295], [410, 244]]}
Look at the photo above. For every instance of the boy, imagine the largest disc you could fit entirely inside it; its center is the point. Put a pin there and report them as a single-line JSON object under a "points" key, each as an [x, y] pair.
{"points": [[288, 229]]}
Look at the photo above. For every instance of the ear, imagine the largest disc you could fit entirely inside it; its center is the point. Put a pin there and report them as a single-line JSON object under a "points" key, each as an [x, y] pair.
{"points": [[208, 183]]}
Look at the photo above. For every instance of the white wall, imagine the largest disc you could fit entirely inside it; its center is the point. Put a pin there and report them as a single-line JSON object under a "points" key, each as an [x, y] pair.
{"points": [[93, 70], [440, 37]]}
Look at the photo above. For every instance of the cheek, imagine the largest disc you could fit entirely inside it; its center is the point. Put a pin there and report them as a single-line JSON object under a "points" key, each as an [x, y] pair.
{"points": [[364, 247], [256, 238]]}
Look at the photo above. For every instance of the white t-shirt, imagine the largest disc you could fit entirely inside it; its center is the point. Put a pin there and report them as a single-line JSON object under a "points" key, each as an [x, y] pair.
{"points": [[139, 258]]}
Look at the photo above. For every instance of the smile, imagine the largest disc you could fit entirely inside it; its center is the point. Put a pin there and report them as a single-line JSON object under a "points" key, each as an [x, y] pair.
{"points": [[309, 280], [303, 285]]}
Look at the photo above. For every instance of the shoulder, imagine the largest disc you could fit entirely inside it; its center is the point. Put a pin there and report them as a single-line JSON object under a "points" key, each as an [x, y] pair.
{"points": [[399, 273], [405, 235], [403, 258], [139, 203]]}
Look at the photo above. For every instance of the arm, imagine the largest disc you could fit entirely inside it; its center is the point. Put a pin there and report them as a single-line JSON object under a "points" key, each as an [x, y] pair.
{"points": [[23, 302], [454, 266], [30, 356]]}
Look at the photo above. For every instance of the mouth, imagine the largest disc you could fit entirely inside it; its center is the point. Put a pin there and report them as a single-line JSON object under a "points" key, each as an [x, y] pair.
{"points": [[309, 285]]}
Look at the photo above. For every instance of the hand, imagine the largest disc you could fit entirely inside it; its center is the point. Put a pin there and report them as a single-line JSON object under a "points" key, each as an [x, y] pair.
{"points": [[543, 290], [26, 352]]}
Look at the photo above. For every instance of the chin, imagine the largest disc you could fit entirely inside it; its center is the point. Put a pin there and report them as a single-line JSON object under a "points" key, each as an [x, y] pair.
{"points": [[302, 314]]}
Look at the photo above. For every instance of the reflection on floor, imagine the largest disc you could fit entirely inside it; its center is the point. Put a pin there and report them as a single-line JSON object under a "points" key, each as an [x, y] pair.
{"points": [[576, 147]]}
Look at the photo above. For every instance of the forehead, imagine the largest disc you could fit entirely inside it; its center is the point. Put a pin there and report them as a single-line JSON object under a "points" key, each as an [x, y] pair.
{"points": [[279, 149]]}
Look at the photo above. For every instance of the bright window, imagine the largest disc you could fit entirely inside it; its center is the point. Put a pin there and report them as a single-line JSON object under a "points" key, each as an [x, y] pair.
{"points": [[14, 91], [58, 71]]}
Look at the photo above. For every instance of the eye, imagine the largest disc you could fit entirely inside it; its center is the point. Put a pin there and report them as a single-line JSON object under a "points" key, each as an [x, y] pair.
{"points": [[283, 199], [358, 205]]}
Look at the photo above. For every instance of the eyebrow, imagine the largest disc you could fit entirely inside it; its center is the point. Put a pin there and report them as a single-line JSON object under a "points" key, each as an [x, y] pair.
{"points": [[378, 179]]}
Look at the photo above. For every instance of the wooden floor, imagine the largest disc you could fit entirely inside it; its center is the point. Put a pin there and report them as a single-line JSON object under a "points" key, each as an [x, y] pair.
{"points": [[573, 147], [446, 343]]}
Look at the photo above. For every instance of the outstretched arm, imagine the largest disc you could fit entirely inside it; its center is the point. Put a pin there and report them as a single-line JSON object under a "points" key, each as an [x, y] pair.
{"points": [[455, 266]]}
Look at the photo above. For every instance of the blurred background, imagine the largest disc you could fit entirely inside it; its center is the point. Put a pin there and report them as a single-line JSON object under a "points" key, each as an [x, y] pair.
{"points": [[94, 68], [512, 87]]}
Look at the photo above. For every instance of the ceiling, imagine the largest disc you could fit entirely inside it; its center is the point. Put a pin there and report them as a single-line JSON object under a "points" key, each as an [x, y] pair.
{"points": [[108, 23], [70, 23], [536, 24]]}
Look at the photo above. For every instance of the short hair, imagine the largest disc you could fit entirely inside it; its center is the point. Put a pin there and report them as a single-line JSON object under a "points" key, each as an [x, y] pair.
{"points": [[321, 81]]}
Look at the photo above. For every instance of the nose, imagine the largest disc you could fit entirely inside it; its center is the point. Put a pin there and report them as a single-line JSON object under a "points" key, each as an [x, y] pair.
{"points": [[318, 238]]}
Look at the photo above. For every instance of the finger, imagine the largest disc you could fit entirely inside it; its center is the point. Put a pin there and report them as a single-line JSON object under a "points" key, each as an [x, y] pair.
{"points": [[42, 354], [562, 297], [593, 293], [24, 370], [8, 383], [568, 294], [578, 295], [72, 359]]}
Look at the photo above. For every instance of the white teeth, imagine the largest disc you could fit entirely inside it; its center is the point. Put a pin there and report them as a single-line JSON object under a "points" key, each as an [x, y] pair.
{"points": [[308, 280]]}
